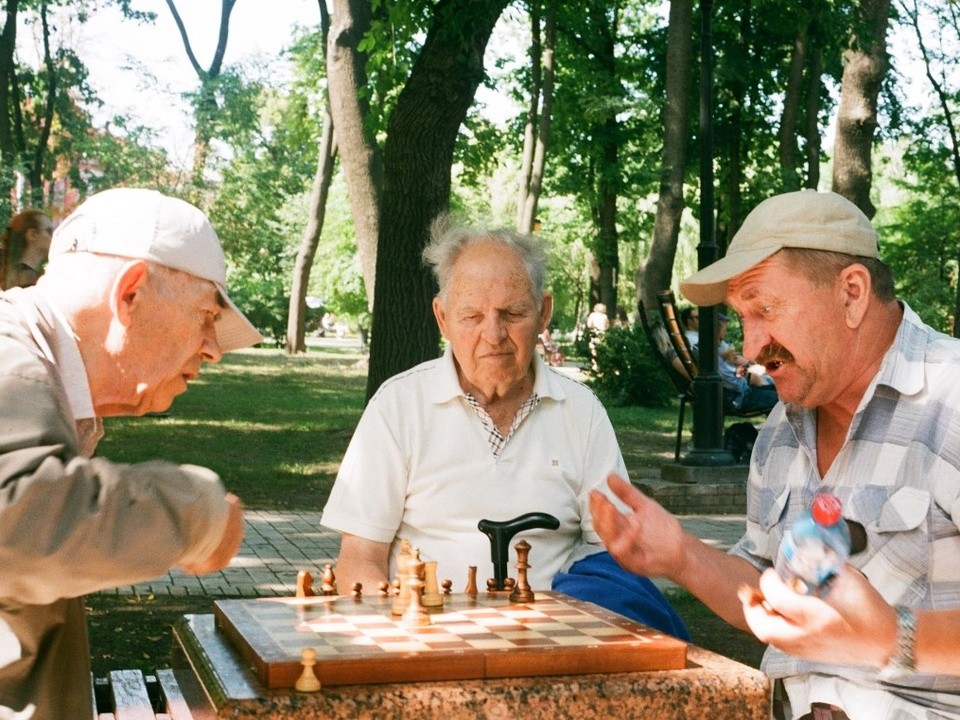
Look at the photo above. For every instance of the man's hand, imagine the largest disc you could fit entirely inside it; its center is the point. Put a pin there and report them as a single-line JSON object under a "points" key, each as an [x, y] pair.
{"points": [[229, 543], [851, 625], [647, 540]]}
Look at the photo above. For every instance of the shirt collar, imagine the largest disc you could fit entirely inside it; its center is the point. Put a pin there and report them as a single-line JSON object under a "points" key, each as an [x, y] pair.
{"points": [[66, 356], [546, 383]]}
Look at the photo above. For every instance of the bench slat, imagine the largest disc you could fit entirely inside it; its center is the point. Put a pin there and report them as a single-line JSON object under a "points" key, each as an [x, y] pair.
{"points": [[130, 698], [173, 700]]}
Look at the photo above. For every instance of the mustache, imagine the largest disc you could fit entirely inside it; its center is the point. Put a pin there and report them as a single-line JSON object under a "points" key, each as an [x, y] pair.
{"points": [[773, 353]]}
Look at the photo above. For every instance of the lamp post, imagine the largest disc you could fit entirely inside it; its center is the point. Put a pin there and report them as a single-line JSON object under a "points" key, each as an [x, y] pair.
{"points": [[707, 386]]}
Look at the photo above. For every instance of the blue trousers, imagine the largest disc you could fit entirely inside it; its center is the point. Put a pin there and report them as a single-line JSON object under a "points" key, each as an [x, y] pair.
{"points": [[600, 579]]}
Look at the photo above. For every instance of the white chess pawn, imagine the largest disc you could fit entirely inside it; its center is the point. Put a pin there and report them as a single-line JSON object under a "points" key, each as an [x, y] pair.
{"points": [[308, 682]]}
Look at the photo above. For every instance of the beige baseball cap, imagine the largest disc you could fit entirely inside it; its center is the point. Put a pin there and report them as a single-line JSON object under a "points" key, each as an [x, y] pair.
{"points": [[148, 225], [802, 219]]}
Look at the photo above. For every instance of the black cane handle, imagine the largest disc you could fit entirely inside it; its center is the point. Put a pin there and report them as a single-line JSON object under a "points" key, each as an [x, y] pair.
{"points": [[501, 532]]}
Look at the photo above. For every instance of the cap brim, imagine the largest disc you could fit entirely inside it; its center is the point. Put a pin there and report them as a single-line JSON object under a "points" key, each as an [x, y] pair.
{"points": [[709, 286], [234, 331]]}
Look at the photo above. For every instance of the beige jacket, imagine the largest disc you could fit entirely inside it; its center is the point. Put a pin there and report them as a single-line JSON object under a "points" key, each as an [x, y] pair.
{"points": [[71, 524]]}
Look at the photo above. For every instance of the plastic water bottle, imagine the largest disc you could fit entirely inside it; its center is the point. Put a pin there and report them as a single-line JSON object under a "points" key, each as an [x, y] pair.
{"points": [[815, 546]]}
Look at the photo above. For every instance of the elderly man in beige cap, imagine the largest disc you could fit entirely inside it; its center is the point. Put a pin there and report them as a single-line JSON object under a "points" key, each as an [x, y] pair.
{"points": [[869, 412], [132, 303]]}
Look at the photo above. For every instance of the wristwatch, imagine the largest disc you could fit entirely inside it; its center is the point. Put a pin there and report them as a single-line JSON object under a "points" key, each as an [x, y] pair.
{"points": [[903, 661]]}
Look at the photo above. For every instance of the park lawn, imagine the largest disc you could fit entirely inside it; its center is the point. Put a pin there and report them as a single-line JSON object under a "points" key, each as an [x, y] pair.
{"points": [[275, 427]]}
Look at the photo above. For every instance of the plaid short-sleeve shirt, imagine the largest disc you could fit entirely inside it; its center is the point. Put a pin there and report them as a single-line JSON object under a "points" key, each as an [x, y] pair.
{"points": [[898, 474]]}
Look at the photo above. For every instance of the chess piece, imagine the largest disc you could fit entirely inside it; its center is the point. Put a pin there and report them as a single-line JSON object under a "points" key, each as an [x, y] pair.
{"points": [[431, 592], [328, 583], [304, 584], [471, 588], [447, 586], [357, 591], [508, 583], [415, 614], [307, 682], [383, 589], [405, 560], [491, 585], [522, 592]]}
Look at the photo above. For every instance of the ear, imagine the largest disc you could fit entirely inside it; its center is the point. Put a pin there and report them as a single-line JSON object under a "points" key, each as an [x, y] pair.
{"points": [[856, 289], [546, 311], [126, 290], [440, 315]]}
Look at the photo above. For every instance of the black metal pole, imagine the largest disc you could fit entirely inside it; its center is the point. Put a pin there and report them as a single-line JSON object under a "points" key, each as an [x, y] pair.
{"points": [[707, 387]]}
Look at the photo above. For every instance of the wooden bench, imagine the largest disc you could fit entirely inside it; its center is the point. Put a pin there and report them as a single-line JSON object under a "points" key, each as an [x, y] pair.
{"points": [[131, 695]]}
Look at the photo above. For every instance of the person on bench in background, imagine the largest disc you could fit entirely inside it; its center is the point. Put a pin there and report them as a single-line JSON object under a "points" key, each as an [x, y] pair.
{"points": [[488, 431], [131, 305]]}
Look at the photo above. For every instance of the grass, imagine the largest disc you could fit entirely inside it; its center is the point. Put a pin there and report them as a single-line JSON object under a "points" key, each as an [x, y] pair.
{"points": [[275, 427]]}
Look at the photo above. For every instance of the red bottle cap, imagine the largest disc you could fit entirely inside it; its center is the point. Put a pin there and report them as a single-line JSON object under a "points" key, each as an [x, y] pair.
{"points": [[826, 509]]}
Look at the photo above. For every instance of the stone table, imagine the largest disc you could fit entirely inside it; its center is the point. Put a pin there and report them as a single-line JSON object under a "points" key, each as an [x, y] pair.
{"points": [[217, 684]]}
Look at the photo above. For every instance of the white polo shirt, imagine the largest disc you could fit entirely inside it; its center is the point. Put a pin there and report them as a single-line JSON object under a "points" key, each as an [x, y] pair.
{"points": [[420, 468]]}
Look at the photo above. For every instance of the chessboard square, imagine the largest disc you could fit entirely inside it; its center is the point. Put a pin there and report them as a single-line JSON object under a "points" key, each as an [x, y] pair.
{"points": [[466, 629], [523, 614], [454, 643], [329, 627], [545, 626], [450, 617], [533, 641], [371, 620], [620, 637], [401, 646], [357, 639], [515, 635], [390, 634], [495, 623], [496, 643]]}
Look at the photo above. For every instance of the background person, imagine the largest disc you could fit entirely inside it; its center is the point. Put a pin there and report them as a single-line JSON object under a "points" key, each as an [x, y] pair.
{"points": [[132, 304], [869, 412], [23, 248], [488, 431]]}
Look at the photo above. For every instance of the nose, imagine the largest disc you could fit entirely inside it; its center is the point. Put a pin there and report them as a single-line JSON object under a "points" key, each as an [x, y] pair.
{"points": [[210, 349], [755, 338], [494, 329]]}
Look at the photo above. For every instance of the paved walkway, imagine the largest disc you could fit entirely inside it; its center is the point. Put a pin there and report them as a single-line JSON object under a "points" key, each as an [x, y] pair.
{"points": [[277, 545]]}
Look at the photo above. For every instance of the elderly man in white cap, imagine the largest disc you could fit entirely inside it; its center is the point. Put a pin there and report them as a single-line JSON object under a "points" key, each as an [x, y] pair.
{"points": [[132, 304], [870, 412]]}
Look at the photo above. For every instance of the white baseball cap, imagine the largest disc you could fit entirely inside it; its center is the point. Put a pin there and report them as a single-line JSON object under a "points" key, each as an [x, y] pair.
{"points": [[801, 219], [147, 225]]}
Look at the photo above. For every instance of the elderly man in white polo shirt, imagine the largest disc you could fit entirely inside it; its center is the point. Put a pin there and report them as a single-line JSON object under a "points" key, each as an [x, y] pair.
{"points": [[488, 431]]}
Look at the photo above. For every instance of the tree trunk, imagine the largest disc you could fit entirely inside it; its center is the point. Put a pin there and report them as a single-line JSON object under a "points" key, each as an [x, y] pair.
{"points": [[418, 155], [533, 115], [863, 73], [326, 157], [542, 139], [813, 91], [205, 109], [8, 153], [789, 178], [655, 272], [359, 153], [40, 151]]}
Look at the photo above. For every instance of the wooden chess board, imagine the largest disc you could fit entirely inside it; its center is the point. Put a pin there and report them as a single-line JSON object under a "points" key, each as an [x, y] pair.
{"points": [[358, 642]]}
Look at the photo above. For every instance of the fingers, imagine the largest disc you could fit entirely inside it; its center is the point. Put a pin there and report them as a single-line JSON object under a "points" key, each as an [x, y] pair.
{"points": [[229, 542]]}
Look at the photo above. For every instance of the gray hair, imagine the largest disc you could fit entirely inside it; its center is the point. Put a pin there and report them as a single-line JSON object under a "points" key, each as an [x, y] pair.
{"points": [[823, 266], [448, 241]]}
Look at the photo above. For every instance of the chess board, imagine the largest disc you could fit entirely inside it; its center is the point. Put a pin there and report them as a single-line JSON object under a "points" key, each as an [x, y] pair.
{"points": [[359, 642]]}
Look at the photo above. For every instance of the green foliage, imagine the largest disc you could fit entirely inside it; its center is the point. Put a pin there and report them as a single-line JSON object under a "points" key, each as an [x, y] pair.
{"points": [[625, 371]]}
